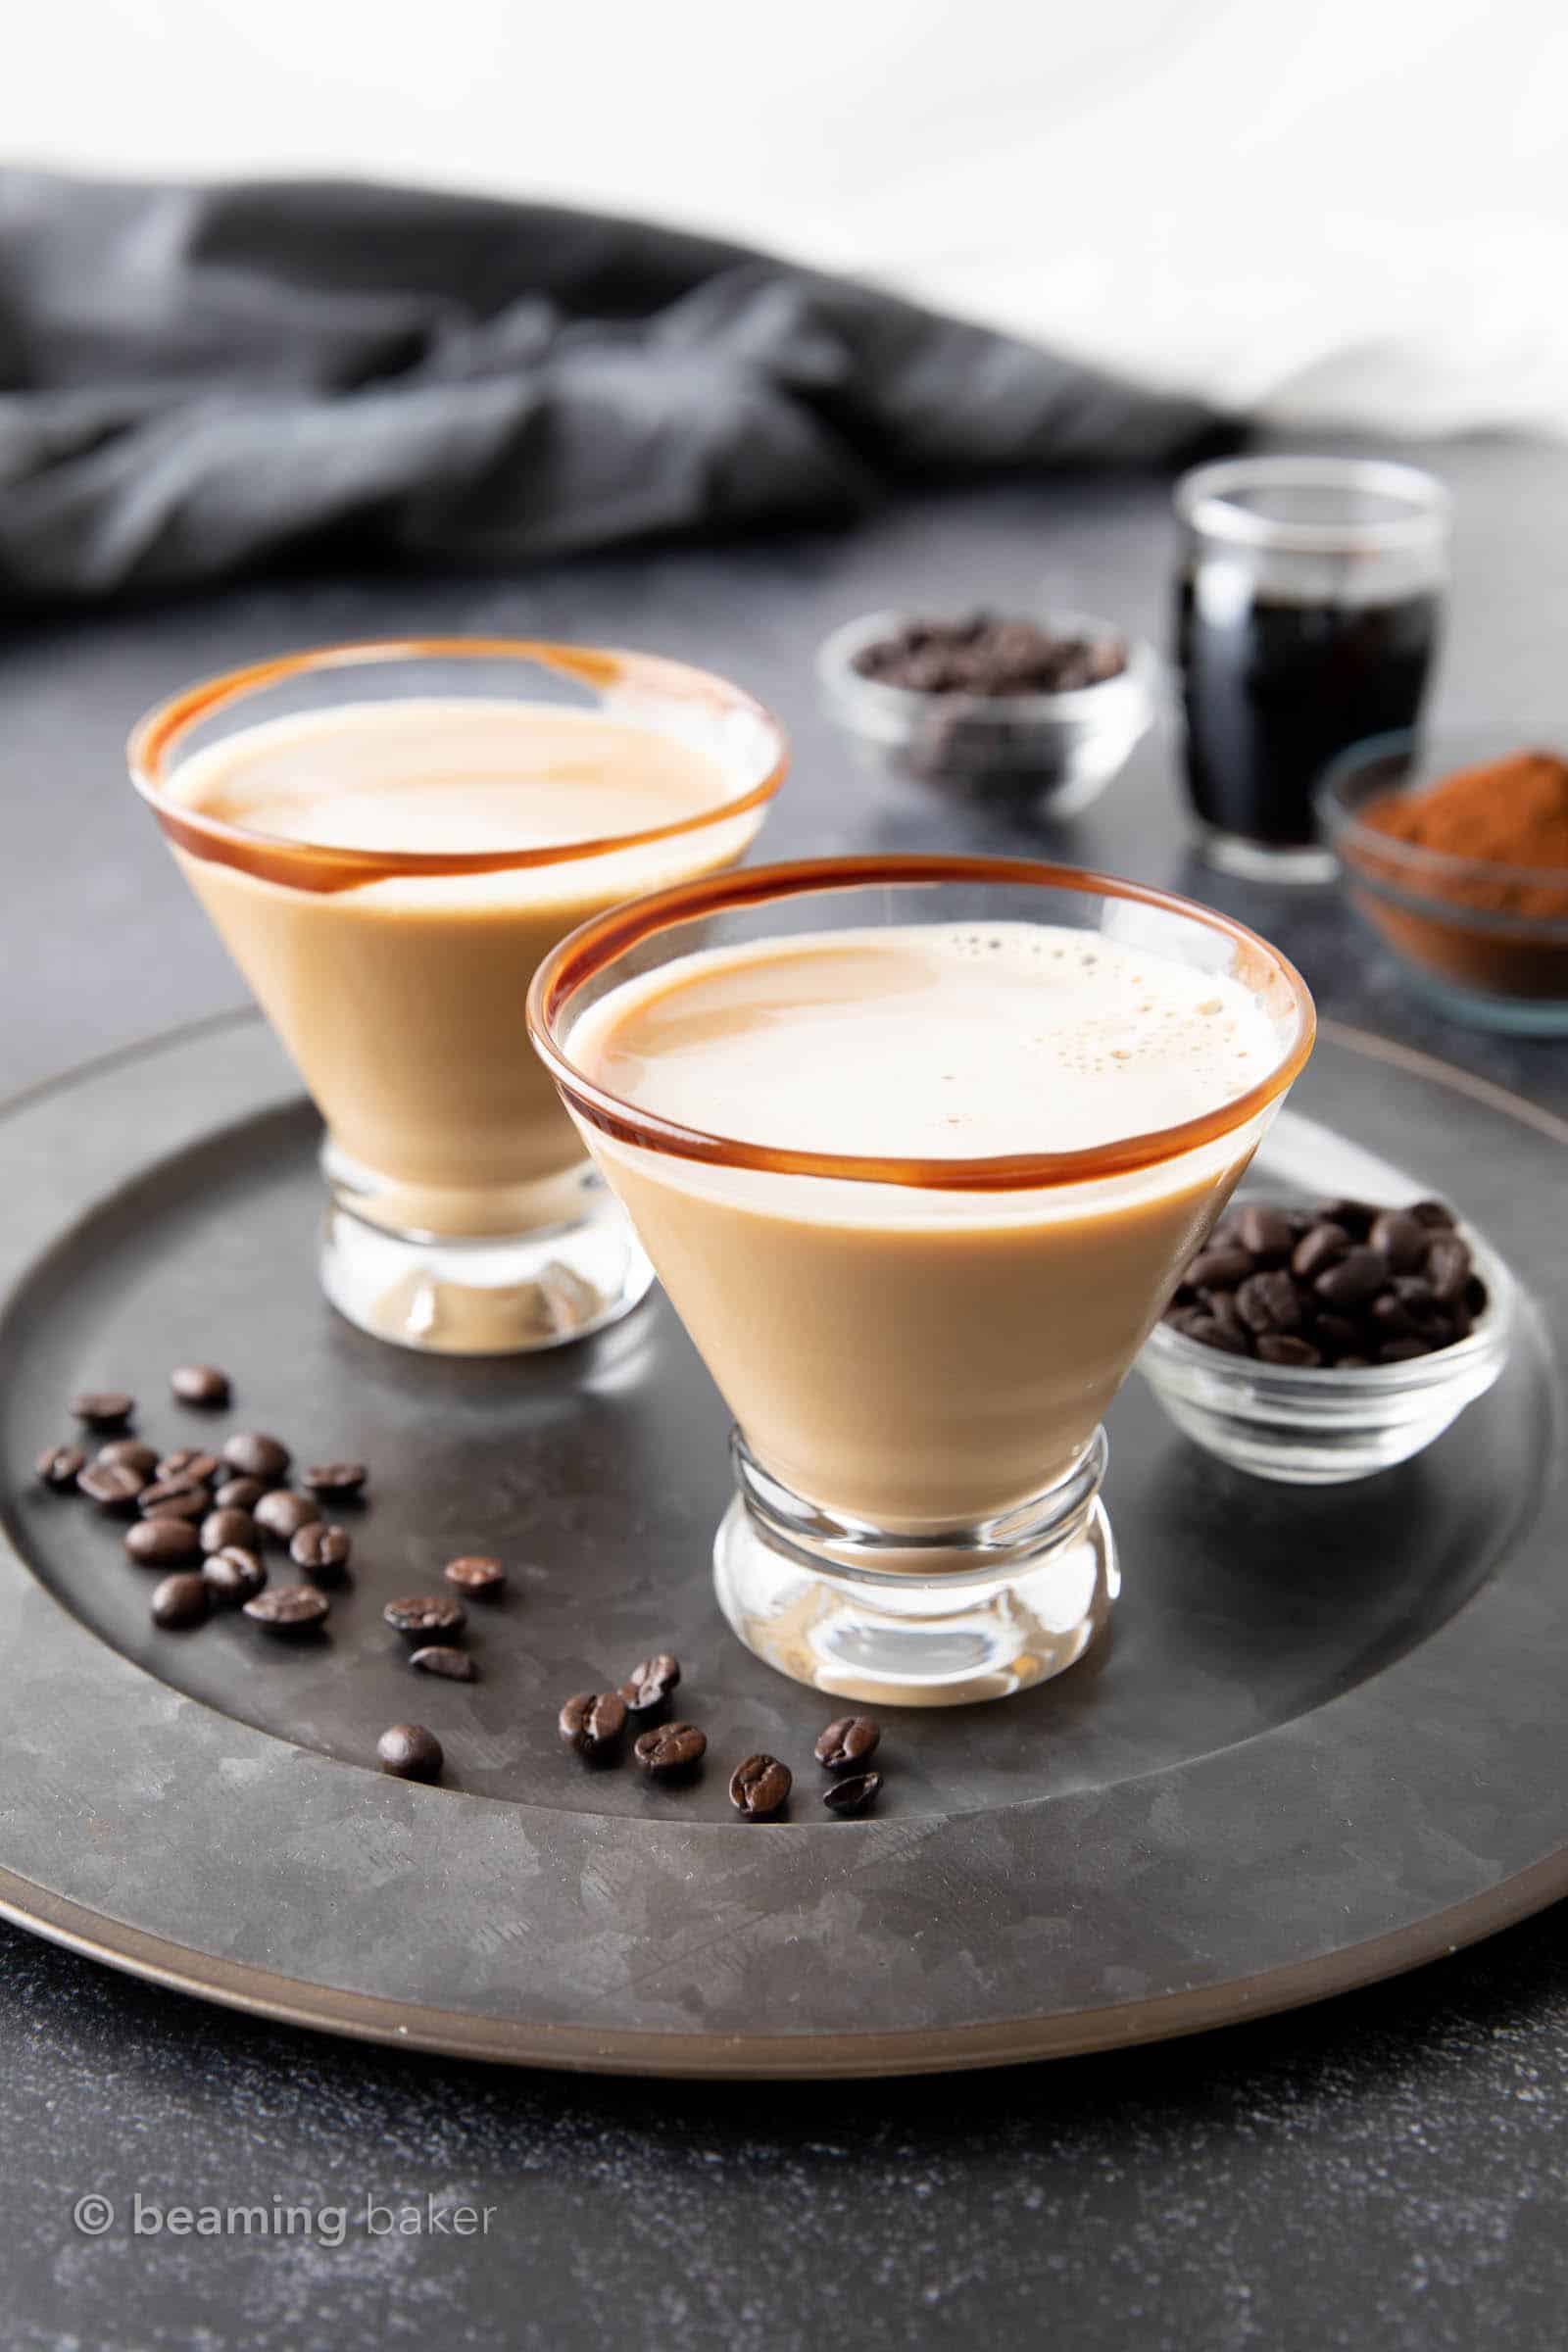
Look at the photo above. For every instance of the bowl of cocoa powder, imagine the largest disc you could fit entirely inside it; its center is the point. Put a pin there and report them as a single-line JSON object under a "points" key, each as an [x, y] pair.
{"points": [[1456, 852]]}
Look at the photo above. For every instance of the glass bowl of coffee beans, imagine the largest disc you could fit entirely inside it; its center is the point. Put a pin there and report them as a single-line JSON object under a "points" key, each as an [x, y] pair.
{"points": [[1043, 710], [1319, 1344]]}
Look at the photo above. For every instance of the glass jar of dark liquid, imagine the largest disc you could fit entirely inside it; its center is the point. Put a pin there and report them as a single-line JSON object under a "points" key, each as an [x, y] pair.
{"points": [[1307, 615]]}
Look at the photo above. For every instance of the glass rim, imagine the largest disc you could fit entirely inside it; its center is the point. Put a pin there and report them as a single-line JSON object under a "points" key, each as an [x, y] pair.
{"points": [[329, 867], [1206, 502], [604, 939]]}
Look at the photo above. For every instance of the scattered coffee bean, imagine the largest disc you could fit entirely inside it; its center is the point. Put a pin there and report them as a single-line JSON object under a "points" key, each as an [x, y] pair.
{"points": [[189, 1463], [282, 1512], [426, 1617], [289, 1610], [201, 1384], [1403, 1241], [848, 1741], [232, 1576], [221, 1529], [161, 1543], [1436, 1215], [1286, 1347], [856, 1795], [179, 1600], [410, 1753], [255, 1455], [175, 1498], [59, 1466], [1264, 1233], [670, 1751], [111, 1486], [102, 1408], [239, 1493], [1320, 1247], [648, 1689], [439, 1657], [335, 1478], [1269, 1303], [323, 1551], [759, 1787], [480, 1577], [592, 1724], [129, 1454]]}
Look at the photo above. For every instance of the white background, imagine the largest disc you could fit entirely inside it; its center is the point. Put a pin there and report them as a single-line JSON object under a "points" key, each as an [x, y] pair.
{"points": [[1348, 209]]}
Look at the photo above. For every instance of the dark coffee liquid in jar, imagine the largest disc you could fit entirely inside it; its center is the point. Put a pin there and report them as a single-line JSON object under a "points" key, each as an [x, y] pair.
{"points": [[1308, 609]]}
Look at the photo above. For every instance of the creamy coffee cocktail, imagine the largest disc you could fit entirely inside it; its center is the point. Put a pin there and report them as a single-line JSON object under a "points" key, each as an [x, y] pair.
{"points": [[919, 1182], [387, 868]]}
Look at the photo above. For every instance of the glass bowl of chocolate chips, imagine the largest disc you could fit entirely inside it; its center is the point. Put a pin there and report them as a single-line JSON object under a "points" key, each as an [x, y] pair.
{"points": [[1316, 1345], [1042, 710]]}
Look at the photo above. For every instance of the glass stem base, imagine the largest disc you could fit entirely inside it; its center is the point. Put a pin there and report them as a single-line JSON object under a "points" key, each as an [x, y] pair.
{"points": [[936, 1620], [499, 1294]]}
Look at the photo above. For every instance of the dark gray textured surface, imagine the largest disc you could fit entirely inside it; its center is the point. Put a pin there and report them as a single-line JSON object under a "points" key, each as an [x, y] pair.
{"points": [[1389, 2169]]}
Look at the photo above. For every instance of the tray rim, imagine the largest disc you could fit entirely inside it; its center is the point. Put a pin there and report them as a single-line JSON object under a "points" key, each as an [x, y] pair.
{"points": [[265, 1992]]}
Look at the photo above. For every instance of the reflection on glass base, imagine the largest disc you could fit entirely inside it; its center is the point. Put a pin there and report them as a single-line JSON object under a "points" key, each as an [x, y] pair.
{"points": [[508, 1294], [1258, 862], [1016, 1602]]}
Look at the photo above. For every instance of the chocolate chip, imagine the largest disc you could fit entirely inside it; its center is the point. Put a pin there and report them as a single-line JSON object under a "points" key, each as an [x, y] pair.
{"points": [[161, 1543], [1358, 1277], [192, 1463], [201, 1384], [282, 1512], [1448, 1268], [1320, 1247], [102, 1408], [480, 1577], [175, 1498], [592, 1724], [1269, 1303], [759, 1787], [129, 1454], [856, 1795], [426, 1617], [336, 1479], [253, 1454], [221, 1529], [59, 1466], [848, 1741], [1218, 1269], [1435, 1215], [410, 1753], [179, 1600], [647, 1690], [111, 1486], [1402, 1240], [1283, 1347], [1264, 1232], [288, 1611], [671, 1751], [439, 1657], [232, 1576], [239, 1493], [323, 1551]]}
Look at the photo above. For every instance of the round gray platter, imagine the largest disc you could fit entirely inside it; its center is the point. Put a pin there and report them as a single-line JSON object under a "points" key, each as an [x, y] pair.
{"points": [[1323, 1743]]}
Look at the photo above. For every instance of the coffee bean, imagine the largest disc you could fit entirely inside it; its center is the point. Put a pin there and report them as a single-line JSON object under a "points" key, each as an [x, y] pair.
{"points": [[1320, 1247], [111, 1486], [1476, 1296], [221, 1529], [1269, 1303], [282, 1512], [426, 1617], [1335, 1335], [759, 1787], [1358, 1277], [175, 1498], [670, 1751], [1354, 1216], [1221, 1305], [647, 1688], [189, 1463], [856, 1795], [239, 1493], [1416, 1295], [1435, 1215], [1402, 1240], [410, 1753], [439, 1657], [848, 1741], [200, 1384], [1392, 1318], [1448, 1268], [179, 1600], [1283, 1347], [480, 1577], [255, 1455], [1404, 1352], [1209, 1333], [593, 1723], [1219, 1269], [161, 1543], [129, 1454], [1264, 1233], [232, 1576], [102, 1408], [323, 1551], [338, 1478], [288, 1611], [59, 1466]]}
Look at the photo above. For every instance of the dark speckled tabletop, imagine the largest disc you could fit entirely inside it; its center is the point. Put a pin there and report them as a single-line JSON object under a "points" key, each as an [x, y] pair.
{"points": [[1391, 2168]]}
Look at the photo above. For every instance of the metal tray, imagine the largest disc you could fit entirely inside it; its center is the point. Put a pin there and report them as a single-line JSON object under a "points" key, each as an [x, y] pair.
{"points": [[1323, 1743]]}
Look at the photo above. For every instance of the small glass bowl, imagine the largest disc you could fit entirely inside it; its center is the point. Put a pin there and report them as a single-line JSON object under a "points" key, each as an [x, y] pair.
{"points": [[1060, 750], [1320, 1427], [1485, 942]]}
